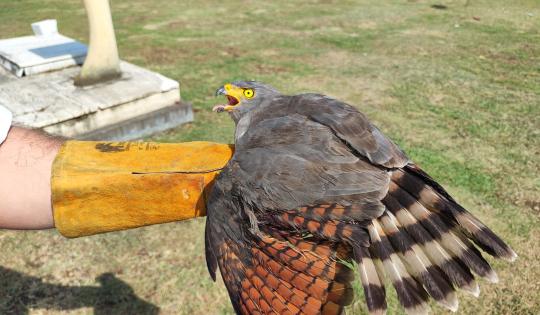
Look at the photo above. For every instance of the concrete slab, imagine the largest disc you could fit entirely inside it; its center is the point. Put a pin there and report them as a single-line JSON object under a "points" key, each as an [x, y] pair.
{"points": [[145, 125], [51, 102]]}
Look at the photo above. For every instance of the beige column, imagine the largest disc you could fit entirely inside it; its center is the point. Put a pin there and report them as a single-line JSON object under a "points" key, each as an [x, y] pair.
{"points": [[102, 62]]}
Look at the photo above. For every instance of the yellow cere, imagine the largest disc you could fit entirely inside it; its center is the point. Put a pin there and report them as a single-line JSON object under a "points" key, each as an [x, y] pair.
{"points": [[234, 91]]}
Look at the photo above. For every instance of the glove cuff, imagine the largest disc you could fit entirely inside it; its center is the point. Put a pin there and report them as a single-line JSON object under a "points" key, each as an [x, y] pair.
{"points": [[101, 187]]}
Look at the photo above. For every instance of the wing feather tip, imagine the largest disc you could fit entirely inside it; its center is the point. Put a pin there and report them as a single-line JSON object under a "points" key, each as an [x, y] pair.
{"points": [[419, 309], [450, 302], [511, 256], [378, 311], [492, 276], [475, 291], [471, 288]]}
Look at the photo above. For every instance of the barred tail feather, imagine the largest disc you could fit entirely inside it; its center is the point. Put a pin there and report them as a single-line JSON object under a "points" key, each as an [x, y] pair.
{"points": [[412, 296], [435, 198], [459, 275], [418, 265], [425, 241], [441, 231], [372, 281]]}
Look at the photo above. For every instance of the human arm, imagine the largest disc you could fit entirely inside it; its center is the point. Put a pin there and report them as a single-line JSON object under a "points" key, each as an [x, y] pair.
{"points": [[102, 186], [26, 158], [84, 188]]}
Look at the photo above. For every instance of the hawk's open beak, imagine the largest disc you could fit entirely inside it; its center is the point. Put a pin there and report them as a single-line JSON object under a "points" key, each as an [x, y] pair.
{"points": [[233, 94], [220, 91]]}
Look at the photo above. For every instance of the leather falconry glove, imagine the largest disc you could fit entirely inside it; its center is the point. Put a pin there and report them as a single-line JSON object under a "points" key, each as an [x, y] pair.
{"points": [[102, 187]]}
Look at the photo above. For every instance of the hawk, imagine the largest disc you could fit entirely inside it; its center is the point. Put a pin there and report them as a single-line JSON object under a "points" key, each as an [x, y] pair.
{"points": [[314, 190]]}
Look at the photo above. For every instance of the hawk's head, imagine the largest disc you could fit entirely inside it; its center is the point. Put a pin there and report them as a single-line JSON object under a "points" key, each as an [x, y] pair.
{"points": [[243, 96]]}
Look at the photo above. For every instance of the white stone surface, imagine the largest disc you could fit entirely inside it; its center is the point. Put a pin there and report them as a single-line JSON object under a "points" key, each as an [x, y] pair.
{"points": [[45, 27], [51, 101], [5, 123], [30, 55]]}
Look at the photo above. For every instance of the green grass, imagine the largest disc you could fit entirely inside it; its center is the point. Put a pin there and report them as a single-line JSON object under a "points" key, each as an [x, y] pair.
{"points": [[458, 89]]}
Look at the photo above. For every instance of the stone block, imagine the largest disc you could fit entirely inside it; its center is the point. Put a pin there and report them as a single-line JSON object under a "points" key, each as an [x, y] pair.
{"points": [[139, 103]]}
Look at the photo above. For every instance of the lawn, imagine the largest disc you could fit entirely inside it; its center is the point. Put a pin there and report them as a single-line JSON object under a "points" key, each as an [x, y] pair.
{"points": [[455, 83]]}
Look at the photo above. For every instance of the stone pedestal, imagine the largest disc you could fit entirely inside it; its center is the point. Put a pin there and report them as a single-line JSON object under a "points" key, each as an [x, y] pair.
{"points": [[138, 104]]}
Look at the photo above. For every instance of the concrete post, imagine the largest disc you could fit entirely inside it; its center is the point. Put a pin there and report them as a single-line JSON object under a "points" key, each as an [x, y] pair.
{"points": [[102, 62]]}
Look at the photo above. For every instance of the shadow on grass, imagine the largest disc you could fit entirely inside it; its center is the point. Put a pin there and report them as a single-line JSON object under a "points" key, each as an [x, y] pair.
{"points": [[20, 292]]}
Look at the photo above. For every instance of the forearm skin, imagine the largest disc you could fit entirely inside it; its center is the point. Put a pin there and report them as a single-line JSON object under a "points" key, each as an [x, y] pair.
{"points": [[26, 159]]}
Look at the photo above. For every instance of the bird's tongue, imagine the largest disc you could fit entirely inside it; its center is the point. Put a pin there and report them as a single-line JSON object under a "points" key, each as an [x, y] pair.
{"points": [[232, 100]]}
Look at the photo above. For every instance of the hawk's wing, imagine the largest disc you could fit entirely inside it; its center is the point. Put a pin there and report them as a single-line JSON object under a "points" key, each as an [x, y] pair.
{"points": [[302, 150], [273, 272], [346, 122], [312, 170]]}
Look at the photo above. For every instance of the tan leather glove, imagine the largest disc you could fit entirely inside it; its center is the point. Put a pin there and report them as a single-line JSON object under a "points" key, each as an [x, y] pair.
{"points": [[101, 187]]}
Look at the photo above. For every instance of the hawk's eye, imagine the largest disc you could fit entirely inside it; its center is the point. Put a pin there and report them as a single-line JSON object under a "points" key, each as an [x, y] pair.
{"points": [[249, 93]]}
